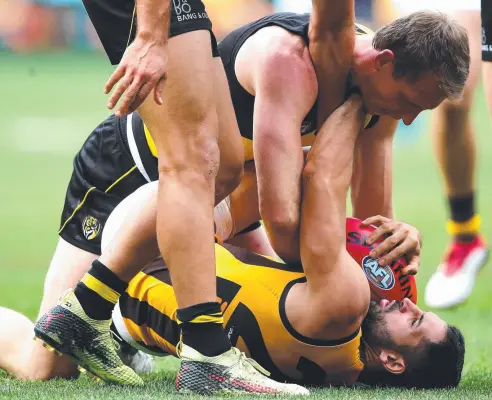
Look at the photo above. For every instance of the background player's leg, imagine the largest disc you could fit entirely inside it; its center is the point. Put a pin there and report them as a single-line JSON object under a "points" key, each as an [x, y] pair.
{"points": [[26, 358], [487, 51], [455, 147], [487, 81]]}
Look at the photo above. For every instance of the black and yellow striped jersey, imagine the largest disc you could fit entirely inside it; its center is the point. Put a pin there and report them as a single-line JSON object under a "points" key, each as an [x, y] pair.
{"points": [[252, 290], [145, 150]]}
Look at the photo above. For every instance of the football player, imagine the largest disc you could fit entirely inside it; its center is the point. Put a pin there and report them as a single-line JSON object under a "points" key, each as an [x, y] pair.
{"points": [[342, 339]]}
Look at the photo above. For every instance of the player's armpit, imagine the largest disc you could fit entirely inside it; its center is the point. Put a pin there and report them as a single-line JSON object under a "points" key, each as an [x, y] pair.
{"points": [[337, 305]]}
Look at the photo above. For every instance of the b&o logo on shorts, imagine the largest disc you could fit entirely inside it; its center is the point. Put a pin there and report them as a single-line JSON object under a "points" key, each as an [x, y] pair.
{"points": [[181, 6], [91, 227], [381, 276]]}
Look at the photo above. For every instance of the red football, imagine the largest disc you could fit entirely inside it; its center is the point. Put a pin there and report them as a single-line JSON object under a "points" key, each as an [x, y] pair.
{"points": [[386, 282]]}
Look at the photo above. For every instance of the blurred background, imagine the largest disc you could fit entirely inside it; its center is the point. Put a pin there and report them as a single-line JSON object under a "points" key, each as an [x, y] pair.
{"points": [[52, 74], [40, 25]]}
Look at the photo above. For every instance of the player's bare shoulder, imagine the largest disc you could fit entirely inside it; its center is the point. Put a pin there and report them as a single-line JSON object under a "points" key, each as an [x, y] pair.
{"points": [[278, 53]]}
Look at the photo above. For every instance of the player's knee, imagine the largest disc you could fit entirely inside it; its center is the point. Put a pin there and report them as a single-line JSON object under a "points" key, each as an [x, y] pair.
{"points": [[454, 115], [197, 159], [229, 177], [458, 108]]}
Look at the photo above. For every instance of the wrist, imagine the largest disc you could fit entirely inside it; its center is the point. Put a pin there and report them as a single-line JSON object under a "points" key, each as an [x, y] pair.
{"points": [[153, 37]]}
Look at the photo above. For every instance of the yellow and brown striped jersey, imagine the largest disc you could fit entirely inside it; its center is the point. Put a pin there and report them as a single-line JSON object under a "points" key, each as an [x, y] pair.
{"points": [[252, 290]]}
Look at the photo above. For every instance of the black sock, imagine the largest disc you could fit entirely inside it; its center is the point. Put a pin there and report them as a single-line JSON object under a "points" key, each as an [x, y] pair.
{"points": [[201, 327], [462, 207], [99, 291]]}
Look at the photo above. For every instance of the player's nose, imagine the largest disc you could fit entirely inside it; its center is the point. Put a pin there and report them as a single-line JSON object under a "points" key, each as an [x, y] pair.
{"points": [[407, 306], [409, 118]]}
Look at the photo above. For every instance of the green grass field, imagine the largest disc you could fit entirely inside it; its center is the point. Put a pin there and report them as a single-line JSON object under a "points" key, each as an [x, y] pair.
{"points": [[50, 103]]}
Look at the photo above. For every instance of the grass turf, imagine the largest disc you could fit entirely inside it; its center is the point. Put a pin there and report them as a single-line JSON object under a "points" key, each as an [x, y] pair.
{"points": [[51, 102]]}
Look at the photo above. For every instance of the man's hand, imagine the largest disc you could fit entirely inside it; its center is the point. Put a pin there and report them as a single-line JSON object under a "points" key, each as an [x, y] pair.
{"points": [[142, 68], [398, 239]]}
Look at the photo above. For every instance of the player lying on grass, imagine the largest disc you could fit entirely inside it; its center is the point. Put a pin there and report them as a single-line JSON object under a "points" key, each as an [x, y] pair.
{"points": [[274, 95], [302, 323]]}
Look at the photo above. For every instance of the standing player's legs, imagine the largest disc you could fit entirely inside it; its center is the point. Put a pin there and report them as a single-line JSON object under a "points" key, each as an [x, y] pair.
{"points": [[19, 354], [185, 130], [196, 121], [454, 146]]}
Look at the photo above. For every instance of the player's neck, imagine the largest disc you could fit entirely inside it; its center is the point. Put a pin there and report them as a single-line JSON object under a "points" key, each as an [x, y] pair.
{"points": [[369, 355], [363, 60]]}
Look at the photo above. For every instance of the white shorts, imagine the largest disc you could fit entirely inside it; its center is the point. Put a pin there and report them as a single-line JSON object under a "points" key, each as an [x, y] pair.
{"points": [[447, 6]]}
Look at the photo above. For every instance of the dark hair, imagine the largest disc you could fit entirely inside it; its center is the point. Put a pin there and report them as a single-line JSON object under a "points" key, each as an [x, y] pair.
{"points": [[425, 42], [432, 366]]}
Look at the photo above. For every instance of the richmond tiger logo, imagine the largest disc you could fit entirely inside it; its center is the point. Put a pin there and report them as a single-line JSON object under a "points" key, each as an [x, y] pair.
{"points": [[91, 227]]}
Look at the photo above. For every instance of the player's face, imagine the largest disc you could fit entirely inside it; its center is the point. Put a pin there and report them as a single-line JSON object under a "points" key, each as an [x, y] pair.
{"points": [[399, 98], [407, 325]]}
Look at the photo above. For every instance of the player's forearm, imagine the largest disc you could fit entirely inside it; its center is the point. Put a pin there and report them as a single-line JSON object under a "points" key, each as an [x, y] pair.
{"points": [[285, 242], [279, 191], [326, 179], [372, 186], [331, 45], [330, 16], [372, 180], [244, 206], [154, 18]]}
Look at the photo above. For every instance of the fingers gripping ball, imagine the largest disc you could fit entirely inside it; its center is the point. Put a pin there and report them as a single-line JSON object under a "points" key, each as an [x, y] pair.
{"points": [[386, 282]]}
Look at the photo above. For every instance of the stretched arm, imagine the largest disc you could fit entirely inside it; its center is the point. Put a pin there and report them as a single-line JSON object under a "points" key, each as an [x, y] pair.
{"points": [[372, 180], [331, 44], [337, 288], [285, 88]]}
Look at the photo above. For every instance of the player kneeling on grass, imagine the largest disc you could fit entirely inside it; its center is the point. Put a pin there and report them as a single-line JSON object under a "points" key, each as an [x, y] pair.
{"points": [[312, 323]]}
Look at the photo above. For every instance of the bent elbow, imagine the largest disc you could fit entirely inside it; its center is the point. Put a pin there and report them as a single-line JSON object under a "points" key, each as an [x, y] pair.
{"points": [[283, 221], [310, 170]]}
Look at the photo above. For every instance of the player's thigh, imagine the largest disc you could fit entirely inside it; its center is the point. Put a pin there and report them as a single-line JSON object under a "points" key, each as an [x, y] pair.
{"points": [[487, 81], [230, 141], [487, 50], [185, 127]]}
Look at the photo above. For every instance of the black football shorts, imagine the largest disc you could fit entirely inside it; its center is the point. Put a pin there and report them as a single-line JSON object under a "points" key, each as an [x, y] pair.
{"points": [[486, 30], [104, 173], [116, 22]]}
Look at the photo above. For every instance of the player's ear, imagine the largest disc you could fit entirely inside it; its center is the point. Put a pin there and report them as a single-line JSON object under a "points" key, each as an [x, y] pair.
{"points": [[392, 361], [383, 58]]}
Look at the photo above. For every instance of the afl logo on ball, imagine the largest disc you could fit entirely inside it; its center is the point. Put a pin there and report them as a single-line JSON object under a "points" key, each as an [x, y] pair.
{"points": [[91, 227], [380, 276]]}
